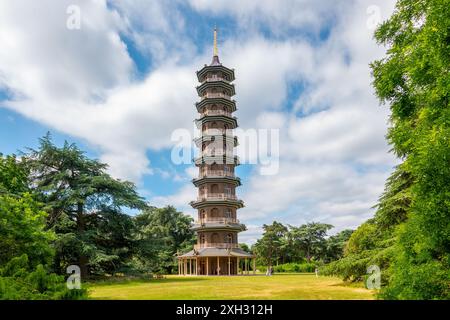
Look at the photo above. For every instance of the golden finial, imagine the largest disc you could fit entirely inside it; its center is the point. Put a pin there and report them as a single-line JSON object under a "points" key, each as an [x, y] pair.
{"points": [[216, 53]]}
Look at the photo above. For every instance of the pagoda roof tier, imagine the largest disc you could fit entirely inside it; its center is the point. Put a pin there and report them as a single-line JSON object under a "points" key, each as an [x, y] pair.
{"points": [[211, 137], [218, 159], [231, 104], [206, 202], [217, 252], [232, 121], [227, 73], [217, 226], [212, 179], [216, 84]]}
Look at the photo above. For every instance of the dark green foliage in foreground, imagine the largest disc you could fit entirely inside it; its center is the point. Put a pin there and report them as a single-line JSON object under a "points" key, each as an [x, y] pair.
{"points": [[25, 244], [18, 281], [414, 80]]}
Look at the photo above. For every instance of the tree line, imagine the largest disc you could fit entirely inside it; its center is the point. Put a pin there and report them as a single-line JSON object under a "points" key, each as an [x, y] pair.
{"points": [[308, 243]]}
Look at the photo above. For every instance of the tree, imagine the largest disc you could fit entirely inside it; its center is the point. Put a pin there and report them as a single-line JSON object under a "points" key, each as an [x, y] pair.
{"points": [[414, 79], [160, 234], [22, 220], [25, 244], [77, 191], [334, 245], [373, 242], [310, 238], [268, 247]]}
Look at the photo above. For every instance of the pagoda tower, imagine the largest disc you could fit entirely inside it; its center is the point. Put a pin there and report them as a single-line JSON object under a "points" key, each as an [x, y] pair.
{"points": [[217, 251]]}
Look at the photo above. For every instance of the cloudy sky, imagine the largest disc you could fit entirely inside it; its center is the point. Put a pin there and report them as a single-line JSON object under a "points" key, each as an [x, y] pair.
{"points": [[123, 82]]}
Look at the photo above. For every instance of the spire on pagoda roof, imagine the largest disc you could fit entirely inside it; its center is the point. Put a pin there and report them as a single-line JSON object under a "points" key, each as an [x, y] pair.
{"points": [[215, 60]]}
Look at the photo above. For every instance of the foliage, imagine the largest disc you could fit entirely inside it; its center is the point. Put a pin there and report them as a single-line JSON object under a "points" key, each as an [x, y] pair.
{"points": [[22, 230], [83, 203], [19, 281], [310, 238], [414, 79], [22, 222], [372, 242], [268, 247], [308, 242], [160, 234], [291, 267], [25, 244], [335, 245]]}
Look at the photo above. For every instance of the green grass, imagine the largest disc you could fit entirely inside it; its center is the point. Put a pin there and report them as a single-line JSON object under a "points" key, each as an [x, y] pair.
{"points": [[279, 286]]}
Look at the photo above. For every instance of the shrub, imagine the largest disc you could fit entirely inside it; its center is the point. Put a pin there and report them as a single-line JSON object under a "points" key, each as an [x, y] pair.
{"points": [[291, 267], [18, 282]]}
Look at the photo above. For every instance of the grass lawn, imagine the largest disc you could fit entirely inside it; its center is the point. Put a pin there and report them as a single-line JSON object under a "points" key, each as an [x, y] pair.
{"points": [[278, 286]]}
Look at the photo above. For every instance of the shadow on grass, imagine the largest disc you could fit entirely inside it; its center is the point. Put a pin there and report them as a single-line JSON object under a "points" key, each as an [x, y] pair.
{"points": [[128, 281]]}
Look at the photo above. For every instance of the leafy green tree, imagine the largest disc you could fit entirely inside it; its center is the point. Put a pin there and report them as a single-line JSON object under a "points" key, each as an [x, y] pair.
{"points": [[268, 247], [414, 80], [13, 176], [160, 234], [22, 220], [245, 247], [335, 245], [77, 192], [25, 244], [310, 238]]}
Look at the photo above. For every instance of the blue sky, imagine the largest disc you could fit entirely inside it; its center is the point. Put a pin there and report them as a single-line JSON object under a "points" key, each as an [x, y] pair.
{"points": [[123, 82]]}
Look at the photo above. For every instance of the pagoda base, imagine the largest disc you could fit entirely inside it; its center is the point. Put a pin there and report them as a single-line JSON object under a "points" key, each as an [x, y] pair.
{"points": [[216, 262]]}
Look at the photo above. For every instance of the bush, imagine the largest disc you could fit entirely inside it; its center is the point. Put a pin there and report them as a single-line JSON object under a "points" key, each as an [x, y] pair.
{"points": [[291, 267], [18, 282]]}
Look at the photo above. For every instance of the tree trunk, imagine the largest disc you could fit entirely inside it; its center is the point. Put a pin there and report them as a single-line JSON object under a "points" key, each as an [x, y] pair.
{"points": [[83, 259]]}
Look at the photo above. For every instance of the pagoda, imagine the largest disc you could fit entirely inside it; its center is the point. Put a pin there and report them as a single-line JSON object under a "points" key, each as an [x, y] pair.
{"points": [[217, 251]]}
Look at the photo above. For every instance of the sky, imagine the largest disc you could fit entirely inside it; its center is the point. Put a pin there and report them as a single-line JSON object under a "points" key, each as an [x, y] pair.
{"points": [[118, 78]]}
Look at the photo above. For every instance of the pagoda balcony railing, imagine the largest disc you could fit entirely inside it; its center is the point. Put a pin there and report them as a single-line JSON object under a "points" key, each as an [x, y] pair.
{"points": [[215, 132], [216, 245], [217, 153], [216, 95], [216, 173], [213, 79], [216, 196], [217, 220], [216, 113]]}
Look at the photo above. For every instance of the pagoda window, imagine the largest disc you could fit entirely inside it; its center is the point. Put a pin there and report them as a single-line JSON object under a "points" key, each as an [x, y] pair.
{"points": [[215, 238], [229, 238], [214, 213], [214, 188]]}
